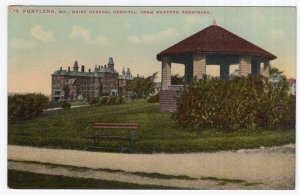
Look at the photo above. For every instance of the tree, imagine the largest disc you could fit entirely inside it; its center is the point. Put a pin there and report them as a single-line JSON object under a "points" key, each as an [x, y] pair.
{"points": [[141, 86], [176, 80], [274, 70]]}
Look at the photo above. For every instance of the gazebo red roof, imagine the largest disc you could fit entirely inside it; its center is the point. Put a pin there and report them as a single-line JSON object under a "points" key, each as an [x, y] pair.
{"points": [[215, 39]]}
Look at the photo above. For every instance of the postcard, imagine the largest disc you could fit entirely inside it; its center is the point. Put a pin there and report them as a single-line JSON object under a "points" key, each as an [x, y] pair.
{"points": [[133, 97]]}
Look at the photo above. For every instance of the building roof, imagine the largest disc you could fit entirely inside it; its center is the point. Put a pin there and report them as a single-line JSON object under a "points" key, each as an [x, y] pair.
{"points": [[73, 73], [215, 39], [125, 77], [104, 69]]}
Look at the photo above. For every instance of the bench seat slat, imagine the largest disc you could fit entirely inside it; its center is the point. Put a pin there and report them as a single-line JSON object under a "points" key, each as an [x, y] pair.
{"points": [[107, 137]]}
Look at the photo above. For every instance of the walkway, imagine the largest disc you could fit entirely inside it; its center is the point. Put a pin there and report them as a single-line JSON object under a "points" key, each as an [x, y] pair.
{"points": [[267, 168]]}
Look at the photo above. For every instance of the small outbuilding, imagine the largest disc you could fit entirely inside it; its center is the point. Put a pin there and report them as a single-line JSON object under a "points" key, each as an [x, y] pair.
{"points": [[213, 45]]}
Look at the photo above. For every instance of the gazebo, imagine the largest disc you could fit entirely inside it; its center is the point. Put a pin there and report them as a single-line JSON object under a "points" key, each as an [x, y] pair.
{"points": [[213, 45]]}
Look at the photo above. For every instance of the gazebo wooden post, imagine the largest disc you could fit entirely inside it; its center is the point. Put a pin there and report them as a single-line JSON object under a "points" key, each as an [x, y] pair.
{"points": [[255, 67], [166, 73], [224, 70], [188, 71]]}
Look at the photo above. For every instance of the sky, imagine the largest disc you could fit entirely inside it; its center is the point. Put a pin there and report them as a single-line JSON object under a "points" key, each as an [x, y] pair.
{"points": [[43, 39]]}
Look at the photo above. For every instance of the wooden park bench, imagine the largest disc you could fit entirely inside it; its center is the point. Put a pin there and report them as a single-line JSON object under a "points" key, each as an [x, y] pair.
{"points": [[92, 140]]}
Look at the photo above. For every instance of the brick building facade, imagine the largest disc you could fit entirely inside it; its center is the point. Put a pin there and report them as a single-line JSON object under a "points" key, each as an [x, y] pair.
{"points": [[75, 84]]}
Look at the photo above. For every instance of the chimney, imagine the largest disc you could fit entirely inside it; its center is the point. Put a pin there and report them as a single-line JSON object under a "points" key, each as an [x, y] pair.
{"points": [[82, 68], [89, 70], [60, 68], [104, 66], [68, 68]]}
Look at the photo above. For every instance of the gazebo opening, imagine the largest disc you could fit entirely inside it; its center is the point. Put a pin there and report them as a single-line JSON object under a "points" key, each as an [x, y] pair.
{"points": [[177, 69], [213, 71], [234, 69]]}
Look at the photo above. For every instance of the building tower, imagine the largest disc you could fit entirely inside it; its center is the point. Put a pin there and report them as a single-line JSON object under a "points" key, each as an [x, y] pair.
{"points": [[75, 67], [128, 72], [123, 71], [110, 63]]}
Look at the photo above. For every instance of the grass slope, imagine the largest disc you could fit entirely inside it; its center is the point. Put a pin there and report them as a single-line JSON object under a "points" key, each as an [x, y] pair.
{"points": [[157, 132]]}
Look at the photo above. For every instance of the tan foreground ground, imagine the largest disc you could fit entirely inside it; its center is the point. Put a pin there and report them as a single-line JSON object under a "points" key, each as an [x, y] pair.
{"points": [[265, 168]]}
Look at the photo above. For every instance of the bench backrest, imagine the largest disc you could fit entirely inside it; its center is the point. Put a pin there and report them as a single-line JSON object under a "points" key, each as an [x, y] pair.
{"points": [[116, 125]]}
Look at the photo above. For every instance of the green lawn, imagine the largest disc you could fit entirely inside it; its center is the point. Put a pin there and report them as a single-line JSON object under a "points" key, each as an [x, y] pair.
{"points": [[157, 132], [26, 180]]}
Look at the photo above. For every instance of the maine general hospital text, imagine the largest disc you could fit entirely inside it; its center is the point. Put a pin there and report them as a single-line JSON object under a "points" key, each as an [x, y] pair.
{"points": [[37, 10]]}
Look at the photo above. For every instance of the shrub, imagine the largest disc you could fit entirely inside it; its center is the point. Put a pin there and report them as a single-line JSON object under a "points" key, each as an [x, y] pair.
{"points": [[26, 106], [54, 104], [103, 100], [120, 100], [153, 99], [111, 100], [93, 100], [65, 105], [242, 103]]}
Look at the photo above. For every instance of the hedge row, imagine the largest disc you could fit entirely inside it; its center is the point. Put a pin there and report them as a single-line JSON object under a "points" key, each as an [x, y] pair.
{"points": [[242, 103], [111, 100]]}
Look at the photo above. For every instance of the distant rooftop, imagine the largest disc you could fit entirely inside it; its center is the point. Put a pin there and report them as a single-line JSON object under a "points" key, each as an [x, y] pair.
{"points": [[72, 73]]}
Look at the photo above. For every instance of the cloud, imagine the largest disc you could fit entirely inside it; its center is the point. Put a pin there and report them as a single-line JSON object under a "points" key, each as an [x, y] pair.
{"points": [[277, 34], [21, 43], [101, 39], [148, 38], [134, 39], [79, 31], [41, 35]]}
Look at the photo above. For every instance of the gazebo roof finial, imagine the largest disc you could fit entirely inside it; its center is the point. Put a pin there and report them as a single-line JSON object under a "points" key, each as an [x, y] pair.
{"points": [[215, 23]]}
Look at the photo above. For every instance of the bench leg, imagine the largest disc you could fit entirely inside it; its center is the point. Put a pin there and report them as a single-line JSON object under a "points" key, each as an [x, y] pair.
{"points": [[85, 145]]}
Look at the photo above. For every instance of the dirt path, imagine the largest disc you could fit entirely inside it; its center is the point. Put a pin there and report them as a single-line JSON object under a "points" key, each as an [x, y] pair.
{"points": [[273, 167]]}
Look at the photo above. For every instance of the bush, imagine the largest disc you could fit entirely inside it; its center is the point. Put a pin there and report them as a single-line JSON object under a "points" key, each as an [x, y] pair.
{"points": [[153, 99], [93, 100], [103, 100], [242, 103], [111, 100], [120, 100], [26, 106], [54, 104], [65, 105]]}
